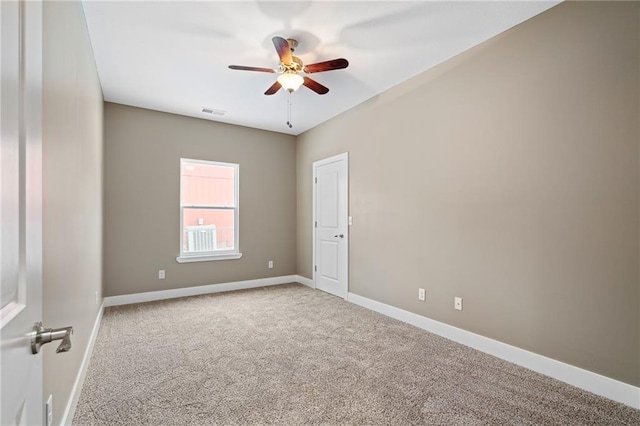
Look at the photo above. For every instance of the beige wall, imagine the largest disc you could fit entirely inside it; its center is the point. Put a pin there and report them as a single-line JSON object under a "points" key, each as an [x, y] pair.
{"points": [[72, 191], [142, 193], [507, 176]]}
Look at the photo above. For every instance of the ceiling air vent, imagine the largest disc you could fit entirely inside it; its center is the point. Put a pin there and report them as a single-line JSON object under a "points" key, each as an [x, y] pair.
{"points": [[214, 111]]}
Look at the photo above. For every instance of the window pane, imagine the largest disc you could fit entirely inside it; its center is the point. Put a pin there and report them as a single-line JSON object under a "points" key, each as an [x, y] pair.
{"points": [[206, 230], [207, 185]]}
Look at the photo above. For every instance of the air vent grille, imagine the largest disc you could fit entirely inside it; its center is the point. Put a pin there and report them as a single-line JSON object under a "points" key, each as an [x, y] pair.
{"points": [[213, 111]]}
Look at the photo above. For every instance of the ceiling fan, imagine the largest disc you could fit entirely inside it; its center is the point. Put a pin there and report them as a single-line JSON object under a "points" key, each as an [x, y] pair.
{"points": [[291, 66]]}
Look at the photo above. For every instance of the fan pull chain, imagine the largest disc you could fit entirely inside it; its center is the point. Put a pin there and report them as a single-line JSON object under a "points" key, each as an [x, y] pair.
{"points": [[289, 123]]}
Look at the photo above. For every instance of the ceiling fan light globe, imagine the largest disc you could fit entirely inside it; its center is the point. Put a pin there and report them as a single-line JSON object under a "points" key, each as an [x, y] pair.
{"points": [[290, 81]]}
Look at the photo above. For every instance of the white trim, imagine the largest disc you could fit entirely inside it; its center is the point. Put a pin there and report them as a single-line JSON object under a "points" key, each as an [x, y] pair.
{"points": [[339, 157], [313, 225], [305, 281], [72, 403], [584, 379], [231, 254], [209, 258], [127, 299]]}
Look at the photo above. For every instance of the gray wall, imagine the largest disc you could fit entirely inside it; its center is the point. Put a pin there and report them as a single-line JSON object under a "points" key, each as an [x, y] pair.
{"points": [[142, 194], [507, 176], [72, 192]]}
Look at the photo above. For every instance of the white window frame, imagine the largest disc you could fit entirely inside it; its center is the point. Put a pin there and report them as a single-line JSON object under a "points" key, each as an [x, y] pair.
{"points": [[217, 254]]}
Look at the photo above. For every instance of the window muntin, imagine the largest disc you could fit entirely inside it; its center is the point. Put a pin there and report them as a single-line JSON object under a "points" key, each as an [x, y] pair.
{"points": [[208, 208]]}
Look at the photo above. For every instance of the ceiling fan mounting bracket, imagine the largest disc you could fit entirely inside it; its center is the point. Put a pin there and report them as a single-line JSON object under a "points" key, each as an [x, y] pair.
{"points": [[293, 43]]}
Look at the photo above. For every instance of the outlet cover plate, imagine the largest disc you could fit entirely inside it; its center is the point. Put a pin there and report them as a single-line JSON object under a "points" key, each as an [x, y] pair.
{"points": [[457, 303]]}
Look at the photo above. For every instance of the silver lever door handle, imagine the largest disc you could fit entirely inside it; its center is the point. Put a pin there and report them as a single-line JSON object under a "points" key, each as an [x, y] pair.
{"points": [[43, 335], [341, 236]]}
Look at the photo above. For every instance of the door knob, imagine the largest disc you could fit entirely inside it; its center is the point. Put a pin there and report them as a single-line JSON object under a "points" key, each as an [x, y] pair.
{"points": [[341, 236], [43, 335]]}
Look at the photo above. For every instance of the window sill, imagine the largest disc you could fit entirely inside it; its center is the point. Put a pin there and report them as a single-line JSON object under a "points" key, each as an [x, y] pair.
{"points": [[208, 258]]}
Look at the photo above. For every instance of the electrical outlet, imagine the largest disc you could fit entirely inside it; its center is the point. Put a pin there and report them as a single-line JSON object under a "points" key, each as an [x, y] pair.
{"points": [[350, 220], [271, 264], [422, 294], [48, 411], [457, 303], [161, 274]]}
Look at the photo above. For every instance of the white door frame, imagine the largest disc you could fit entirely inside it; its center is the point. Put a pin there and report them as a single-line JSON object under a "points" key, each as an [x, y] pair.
{"points": [[344, 156]]}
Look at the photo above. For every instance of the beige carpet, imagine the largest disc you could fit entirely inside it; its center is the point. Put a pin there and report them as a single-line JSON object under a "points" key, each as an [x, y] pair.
{"points": [[291, 355]]}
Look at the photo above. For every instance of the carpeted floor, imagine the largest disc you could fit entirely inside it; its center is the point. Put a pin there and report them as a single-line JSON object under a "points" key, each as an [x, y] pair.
{"points": [[291, 355]]}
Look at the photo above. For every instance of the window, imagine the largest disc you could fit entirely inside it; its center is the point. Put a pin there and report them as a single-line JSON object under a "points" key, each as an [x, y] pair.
{"points": [[208, 211]]}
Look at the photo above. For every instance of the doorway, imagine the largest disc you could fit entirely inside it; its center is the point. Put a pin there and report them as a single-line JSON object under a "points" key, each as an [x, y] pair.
{"points": [[330, 225]]}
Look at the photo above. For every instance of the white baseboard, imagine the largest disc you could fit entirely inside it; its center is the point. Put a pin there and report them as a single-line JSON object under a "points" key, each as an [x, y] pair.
{"points": [[305, 281], [70, 409], [127, 299], [584, 379]]}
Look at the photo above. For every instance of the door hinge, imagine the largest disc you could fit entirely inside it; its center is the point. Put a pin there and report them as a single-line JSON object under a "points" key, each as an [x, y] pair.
{"points": [[316, 224], [316, 180], [315, 268]]}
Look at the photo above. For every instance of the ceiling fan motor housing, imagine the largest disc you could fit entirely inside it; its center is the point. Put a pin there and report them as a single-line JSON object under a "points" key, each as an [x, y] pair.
{"points": [[294, 66]]}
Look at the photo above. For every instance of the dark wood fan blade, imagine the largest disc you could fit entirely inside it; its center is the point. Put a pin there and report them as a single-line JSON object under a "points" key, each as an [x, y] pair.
{"points": [[283, 49], [335, 64], [243, 68], [273, 89], [315, 86]]}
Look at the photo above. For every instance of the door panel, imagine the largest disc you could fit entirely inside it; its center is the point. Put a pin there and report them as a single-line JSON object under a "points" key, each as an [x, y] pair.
{"points": [[9, 163], [330, 225], [21, 210], [329, 195], [329, 265]]}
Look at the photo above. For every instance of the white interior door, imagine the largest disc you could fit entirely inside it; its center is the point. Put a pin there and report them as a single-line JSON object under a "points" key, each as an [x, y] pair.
{"points": [[20, 210], [331, 236]]}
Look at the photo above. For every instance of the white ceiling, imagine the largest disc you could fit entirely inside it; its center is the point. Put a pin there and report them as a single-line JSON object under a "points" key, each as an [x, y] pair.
{"points": [[173, 56]]}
